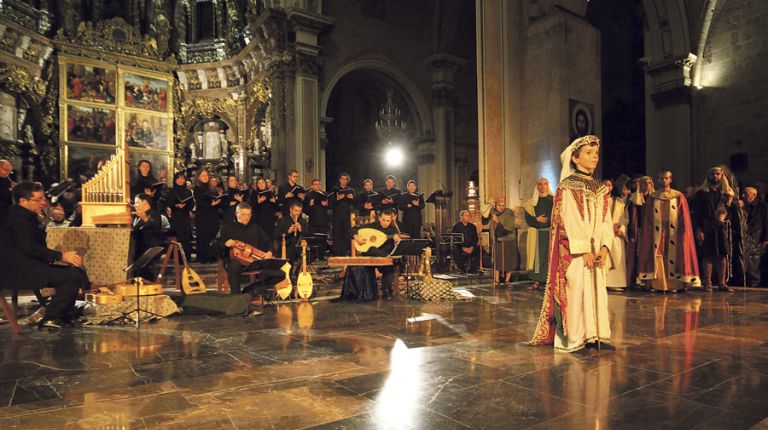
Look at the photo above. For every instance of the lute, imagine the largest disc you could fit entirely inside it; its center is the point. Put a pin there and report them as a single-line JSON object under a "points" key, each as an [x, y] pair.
{"points": [[191, 282], [304, 284], [373, 239]]}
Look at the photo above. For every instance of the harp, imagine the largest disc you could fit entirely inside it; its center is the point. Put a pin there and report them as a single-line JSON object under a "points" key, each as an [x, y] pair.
{"points": [[106, 197]]}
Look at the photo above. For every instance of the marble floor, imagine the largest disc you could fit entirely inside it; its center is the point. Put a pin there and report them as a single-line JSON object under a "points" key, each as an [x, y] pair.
{"points": [[689, 361]]}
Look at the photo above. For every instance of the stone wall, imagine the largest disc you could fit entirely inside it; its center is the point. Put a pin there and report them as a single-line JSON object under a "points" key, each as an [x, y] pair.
{"points": [[731, 107]]}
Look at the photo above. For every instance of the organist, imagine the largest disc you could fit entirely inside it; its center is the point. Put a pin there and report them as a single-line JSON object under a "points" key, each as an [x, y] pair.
{"points": [[386, 225], [251, 234]]}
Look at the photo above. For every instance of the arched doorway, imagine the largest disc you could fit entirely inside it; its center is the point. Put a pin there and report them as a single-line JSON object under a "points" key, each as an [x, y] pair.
{"points": [[352, 143]]}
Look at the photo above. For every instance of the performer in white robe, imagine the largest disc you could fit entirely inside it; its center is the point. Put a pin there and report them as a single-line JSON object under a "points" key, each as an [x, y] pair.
{"points": [[617, 274], [574, 313]]}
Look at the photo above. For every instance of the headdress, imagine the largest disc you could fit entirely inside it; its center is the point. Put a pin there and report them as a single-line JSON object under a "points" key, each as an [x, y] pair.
{"points": [[565, 157]]}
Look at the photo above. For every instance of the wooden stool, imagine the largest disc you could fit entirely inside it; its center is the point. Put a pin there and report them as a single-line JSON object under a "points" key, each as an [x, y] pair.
{"points": [[222, 280]]}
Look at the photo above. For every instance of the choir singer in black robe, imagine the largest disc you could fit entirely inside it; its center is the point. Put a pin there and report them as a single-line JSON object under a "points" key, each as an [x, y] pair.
{"points": [[390, 196], [368, 200], [290, 192], [180, 204], [316, 208], [206, 217], [412, 203], [342, 200], [264, 205]]}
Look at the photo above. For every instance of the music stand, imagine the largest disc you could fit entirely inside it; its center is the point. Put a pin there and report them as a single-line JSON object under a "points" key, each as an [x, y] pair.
{"points": [[452, 239], [134, 268]]}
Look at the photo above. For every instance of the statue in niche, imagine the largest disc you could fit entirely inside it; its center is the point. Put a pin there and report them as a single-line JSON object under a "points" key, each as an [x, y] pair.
{"points": [[163, 28], [214, 141]]}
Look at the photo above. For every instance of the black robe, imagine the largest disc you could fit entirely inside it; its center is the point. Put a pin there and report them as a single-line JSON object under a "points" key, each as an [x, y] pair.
{"points": [[181, 222], [6, 197], [263, 214], [206, 222], [411, 224], [341, 220]]}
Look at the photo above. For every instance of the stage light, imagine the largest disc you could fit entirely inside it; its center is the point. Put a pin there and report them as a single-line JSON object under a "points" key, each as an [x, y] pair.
{"points": [[394, 157]]}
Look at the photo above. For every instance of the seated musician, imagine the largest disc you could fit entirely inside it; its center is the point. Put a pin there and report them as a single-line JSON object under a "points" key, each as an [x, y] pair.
{"points": [[251, 234], [292, 227], [386, 226], [147, 231], [467, 252], [27, 262]]}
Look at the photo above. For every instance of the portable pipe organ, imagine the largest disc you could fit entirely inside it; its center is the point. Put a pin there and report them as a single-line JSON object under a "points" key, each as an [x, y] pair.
{"points": [[106, 197]]}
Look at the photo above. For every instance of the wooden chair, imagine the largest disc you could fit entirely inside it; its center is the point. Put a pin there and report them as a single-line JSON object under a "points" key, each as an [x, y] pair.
{"points": [[9, 313]]}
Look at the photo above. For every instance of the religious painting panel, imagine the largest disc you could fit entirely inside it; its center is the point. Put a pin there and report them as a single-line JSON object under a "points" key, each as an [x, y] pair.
{"points": [[90, 83], [145, 92], [160, 164], [90, 125], [142, 130], [8, 116], [84, 161], [581, 118]]}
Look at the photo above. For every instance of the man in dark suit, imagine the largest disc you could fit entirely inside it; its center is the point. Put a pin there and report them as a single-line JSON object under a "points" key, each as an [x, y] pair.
{"points": [[27, 262], [6, 197], [467, 252], [251, 234]]}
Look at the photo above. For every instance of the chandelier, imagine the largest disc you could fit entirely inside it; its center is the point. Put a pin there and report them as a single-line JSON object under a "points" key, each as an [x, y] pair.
{"points": [[389, 127]]}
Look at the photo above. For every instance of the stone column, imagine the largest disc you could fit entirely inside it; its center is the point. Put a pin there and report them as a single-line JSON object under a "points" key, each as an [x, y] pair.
{"points": [[426, 173], [443, 68], [306, 155], [499, 73], [668, 119]]}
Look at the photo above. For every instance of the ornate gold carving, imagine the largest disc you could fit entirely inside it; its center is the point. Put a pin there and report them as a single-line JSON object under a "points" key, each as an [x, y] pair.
{"points": [[114, 35], [19, 80]]}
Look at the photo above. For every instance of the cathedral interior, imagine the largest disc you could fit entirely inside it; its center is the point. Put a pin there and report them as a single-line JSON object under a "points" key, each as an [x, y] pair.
{"points": [[476, 98]]}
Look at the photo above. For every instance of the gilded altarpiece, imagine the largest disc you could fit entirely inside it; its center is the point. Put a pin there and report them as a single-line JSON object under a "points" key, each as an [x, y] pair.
{"points": [[111, 99]]}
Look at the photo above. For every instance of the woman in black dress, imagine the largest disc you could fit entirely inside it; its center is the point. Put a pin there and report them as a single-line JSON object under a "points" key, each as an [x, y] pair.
{"points": [[144, 180], [234, 196], [206, 217], [180, 206], [264, 206]]}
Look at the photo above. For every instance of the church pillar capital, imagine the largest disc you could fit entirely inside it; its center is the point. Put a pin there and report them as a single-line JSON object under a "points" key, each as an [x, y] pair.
{"points": [[671, 80]]}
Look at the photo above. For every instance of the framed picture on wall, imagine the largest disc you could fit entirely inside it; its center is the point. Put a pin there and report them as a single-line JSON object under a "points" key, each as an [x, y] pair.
{"points": [[145, 92], [160, 164], [581, 118], [82, 162], [90, 125], [143, 130], [90, 83]]}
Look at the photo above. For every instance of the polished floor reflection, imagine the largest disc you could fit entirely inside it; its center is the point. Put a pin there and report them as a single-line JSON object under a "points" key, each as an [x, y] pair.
{"points": [[688, 361]]}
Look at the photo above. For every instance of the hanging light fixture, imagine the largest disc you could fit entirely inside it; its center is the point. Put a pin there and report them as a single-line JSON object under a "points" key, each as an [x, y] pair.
{"points": [[389, 127]]}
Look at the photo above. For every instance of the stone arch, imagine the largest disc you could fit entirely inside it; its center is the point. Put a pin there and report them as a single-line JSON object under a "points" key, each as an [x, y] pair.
{"points": [[416, 102]]}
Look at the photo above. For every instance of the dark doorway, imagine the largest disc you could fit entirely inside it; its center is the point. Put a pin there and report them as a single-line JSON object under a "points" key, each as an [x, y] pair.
{"points": [[623, 84], [353, 143]]}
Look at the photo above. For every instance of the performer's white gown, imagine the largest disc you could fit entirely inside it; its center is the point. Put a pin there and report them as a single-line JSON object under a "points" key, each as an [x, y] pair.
{"points": [[617, 275], [587, 307]]}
